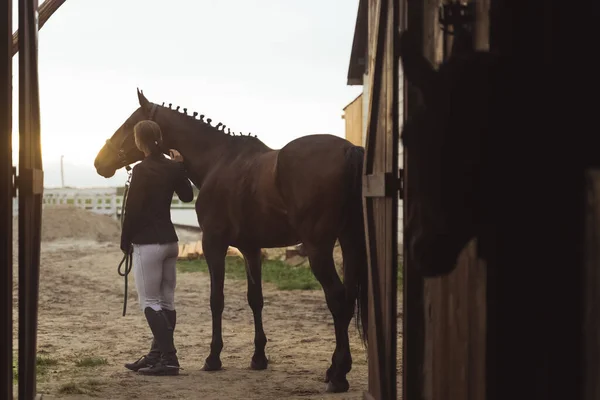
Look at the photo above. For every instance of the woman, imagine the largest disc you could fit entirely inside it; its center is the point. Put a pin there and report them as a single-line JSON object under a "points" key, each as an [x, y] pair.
{"points": [[149, 233]]}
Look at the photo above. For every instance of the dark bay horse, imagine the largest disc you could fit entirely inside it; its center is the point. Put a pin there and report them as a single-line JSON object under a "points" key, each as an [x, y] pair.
{"points": [[253, 197], [449, 141]]}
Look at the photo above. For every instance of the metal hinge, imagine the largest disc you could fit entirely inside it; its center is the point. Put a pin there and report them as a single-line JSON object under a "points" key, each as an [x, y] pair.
{"points": [[14, 181], [401, 184], [30, 181]]}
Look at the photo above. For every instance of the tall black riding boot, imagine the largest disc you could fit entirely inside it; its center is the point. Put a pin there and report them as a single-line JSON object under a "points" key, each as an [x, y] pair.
{"points": [[163, 333], [172, 317], [153, 355], [148, 360]]}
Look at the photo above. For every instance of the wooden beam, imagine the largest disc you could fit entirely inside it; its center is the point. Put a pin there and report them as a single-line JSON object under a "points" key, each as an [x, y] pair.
{"points": [[30, 197], [413, 318], [6, 204], [45, 12], [380, 202], [357, 65]]}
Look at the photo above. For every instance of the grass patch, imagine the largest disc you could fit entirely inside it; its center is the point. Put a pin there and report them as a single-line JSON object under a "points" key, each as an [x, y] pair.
{"points": [[284, 276], [43, 364], [287, 277], [43, 361], [88, 387], [71, 388], [90, 362]]}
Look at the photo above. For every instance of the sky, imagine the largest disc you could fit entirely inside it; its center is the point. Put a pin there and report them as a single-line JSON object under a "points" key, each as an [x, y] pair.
{"points": [[276, 68]]}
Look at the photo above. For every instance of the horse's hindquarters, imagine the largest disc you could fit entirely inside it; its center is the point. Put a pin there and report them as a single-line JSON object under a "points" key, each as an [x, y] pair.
{"points": [[312, 179]]}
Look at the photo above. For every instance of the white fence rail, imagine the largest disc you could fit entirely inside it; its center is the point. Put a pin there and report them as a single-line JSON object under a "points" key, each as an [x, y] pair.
{"points": [[97, 200]]}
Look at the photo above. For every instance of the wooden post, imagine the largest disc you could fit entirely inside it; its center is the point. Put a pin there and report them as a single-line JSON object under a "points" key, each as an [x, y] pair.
{"points": [[6, 202], [31, 187], [380, 191], [45, 12], [413, 330]]}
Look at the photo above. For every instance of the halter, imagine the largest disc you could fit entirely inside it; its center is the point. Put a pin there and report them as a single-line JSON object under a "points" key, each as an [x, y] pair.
{"points": [[121, 154], [127, 260]]}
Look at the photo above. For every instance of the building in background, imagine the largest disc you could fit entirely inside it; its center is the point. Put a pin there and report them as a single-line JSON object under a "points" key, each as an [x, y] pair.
{"points": [[353, 115]]}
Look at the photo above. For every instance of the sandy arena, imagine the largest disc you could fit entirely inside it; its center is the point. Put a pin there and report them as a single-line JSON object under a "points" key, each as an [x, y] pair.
{"points": [[81, 300]]}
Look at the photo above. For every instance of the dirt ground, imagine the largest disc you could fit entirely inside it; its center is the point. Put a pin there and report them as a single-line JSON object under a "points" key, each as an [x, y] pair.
{"points": [[81, 299]]}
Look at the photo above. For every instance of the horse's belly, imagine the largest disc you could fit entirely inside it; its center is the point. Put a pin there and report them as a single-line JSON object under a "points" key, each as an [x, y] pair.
{"points": [[267, 231], [267, 243]]}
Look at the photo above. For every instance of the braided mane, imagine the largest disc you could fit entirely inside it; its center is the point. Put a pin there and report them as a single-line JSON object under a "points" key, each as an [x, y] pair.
{"points": [[220, 127]]}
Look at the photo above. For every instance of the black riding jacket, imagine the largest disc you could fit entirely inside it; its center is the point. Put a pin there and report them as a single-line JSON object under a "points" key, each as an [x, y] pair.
{"points": [[148, 208]]}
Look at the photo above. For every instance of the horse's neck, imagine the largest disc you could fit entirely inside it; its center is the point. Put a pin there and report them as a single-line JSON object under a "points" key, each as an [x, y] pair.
{"points": [[205, 149], [226, 159], [200, 151]]}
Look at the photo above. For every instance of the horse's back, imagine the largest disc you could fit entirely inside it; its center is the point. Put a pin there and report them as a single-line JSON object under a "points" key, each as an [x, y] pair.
{"points": [[312, 161], [328, 150], [312, 177], [318, 140]]}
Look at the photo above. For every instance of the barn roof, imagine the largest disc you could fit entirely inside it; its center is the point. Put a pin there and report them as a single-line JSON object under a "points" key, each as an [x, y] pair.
{"points": [[353, 101], [358, 57]]}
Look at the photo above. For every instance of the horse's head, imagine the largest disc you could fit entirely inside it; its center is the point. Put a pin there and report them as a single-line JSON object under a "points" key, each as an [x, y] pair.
{"points": [[120, 150], [444, 141]]}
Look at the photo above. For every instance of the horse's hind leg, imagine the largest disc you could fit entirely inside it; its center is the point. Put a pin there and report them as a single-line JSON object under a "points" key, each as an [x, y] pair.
{"points": [[352, 256], [255, 300], [322, 265]]}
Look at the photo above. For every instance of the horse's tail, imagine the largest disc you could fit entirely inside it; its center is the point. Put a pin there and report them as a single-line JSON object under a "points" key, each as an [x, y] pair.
{"points": [[356, 271]]}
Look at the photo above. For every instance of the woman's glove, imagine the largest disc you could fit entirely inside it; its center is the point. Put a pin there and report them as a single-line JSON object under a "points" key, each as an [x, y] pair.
{"points": [[175, 155], [126, 248]]}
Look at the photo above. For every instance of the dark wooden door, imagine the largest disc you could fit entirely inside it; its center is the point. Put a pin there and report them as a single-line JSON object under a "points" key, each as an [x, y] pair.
{"points": [[6, 196], [30, 187], [530, 342], [444, 317], [380, 190]]}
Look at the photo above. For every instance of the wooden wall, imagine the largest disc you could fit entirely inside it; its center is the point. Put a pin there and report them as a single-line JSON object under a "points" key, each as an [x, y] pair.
{"points": [[455, 305], [592, 284], [353, 116], [452, 359], [526, 324], [6, 197], [381, 199]]}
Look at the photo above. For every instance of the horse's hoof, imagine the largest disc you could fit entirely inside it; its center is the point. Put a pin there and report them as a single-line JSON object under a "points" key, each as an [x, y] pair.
{"points": [[339, 387], [327, 375], [212, 365], [259, 365]]}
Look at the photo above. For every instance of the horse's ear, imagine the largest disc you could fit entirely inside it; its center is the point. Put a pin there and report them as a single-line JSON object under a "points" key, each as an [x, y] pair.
{"points": [[144, 103], [417, 69]]}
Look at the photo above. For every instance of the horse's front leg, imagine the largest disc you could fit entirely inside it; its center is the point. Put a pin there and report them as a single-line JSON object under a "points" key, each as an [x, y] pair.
{"points": [[256, 302], [214, 252]]}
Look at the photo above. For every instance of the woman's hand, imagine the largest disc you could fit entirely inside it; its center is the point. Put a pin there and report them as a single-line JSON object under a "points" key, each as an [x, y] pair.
{"points": [[126, 249], [175, 155]]}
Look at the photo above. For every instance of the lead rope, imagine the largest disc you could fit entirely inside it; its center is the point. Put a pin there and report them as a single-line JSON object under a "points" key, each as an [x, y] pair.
{"points": [[127, 260]]}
